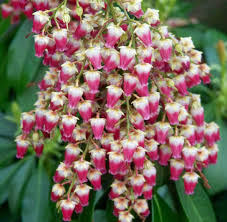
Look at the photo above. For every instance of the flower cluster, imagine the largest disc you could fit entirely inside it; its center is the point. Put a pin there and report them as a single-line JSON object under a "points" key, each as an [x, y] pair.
{"points": [[117, 90]]}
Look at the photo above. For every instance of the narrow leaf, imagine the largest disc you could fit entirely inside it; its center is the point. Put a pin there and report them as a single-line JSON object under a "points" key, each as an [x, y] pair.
{"points": [[18, 183], [6, 174], [161, 212], [22, 64], [35, 204], [197, 207]]}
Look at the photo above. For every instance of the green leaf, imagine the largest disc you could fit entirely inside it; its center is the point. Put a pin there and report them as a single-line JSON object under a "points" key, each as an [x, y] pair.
{"points": [[18, 183], [109, 212], [100, 216], [196, 32], [161, 212], [7, 128], [7, 151], [210, 41], [27, 99], [197, 207], [22, 63], [6, 174], [35, 204], [216, 174]]}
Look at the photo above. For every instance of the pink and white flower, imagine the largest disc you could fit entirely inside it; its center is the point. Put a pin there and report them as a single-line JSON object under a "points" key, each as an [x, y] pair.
{"points": [[113, 95], [60, 37], [93, 80], [165, 49], [164, 154], [176, 144], [27, 122], [161, 131], [113, 35], [97, 125], [129, 147], [172, 111], [74, 95], [83, 191], [189, 155], [81, 168], [40, 19], [68, 69], [72, 152], [180, 84], [94, 56], [127, 54], [137, 182], [142, 106], [144, 33], [41, 42], [67, 208], [116, 160], [176, 168], [68, 124], [113, 115], [143, 72], [22, 146], [57, 192], [190, 182], [94, 177], [98, 157], [85, 110]]}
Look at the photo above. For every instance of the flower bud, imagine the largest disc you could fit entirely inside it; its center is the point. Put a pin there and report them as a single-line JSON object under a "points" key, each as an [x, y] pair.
{"points": [[172, 111], [149, 173]]}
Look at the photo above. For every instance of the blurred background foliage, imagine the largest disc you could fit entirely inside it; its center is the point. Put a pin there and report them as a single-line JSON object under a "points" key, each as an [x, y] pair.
{"points": [[25, 185]]}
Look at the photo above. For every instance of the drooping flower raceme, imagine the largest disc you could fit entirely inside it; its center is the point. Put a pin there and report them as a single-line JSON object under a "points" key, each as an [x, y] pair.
{"points": [[117, 90]]}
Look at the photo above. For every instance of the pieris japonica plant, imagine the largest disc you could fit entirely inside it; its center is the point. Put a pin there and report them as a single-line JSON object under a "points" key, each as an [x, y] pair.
{"points": [[117, 90]]}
